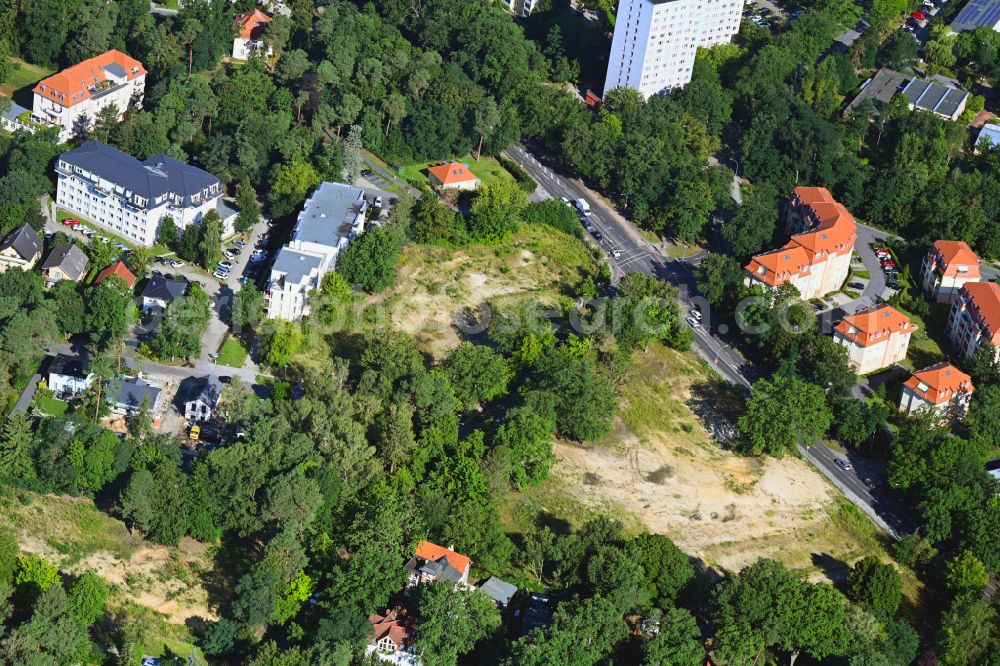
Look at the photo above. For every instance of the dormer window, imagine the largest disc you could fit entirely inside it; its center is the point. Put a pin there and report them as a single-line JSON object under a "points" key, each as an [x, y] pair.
{"points": [[921, 387]]}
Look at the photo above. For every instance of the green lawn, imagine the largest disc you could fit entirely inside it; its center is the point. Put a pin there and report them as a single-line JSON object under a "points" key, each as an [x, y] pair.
{"points": [[51, 406], [24, 76], [487, 169], [157, 250], [233, 354]]}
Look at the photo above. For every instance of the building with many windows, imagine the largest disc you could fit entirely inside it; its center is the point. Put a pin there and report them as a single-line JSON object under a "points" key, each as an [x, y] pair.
{"points": [[817, 258], [131, 198], [875, 339], [946, 267], [974, 320], [330, 219], [655, 41], [941, 388], [72, 98]]}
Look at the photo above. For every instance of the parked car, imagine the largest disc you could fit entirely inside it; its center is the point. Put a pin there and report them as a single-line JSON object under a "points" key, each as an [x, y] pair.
{"points": [[367, 172], [239, 243], [378, 202], [220, 275], [244, 280], [692, 322], [228, 255], [71, 222], [177, 263], [225, 264], [695, 313], [565, 201], [235, 250], [598, 236]]}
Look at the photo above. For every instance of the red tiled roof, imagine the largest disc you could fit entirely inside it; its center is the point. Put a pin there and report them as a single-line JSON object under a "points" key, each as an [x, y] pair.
{"points": [[393, 624], [834, 234], [453, 172], [955, 254], [251, 24], [73, 85], [941, 383], [874, 326], [433, 552], [986, 296], [121, 270]]}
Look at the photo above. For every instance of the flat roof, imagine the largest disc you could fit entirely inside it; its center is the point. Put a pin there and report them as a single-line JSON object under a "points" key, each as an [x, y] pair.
{"points": [[294, 264], [329, 214], [977, 14], [989, 131]]}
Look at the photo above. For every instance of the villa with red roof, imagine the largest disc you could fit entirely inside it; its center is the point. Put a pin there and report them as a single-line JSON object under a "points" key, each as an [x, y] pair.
{"points": [[946, 267], [72, 98], [391, 633], [249, 38], [118, 269], [432, 562], [817, 258], [974, 320], [452, 176], [875, 339], [942, 388]]}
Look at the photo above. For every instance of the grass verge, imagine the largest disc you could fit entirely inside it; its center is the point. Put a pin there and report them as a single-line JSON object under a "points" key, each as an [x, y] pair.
{"points": [[232, 353]]}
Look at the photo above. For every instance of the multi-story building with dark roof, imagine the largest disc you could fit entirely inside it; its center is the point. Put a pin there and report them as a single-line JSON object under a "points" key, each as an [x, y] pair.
{"points": [[131, 198]]}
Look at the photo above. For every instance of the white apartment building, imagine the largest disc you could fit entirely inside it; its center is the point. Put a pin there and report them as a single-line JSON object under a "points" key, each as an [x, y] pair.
{"points": [[975, 319], [941, 388], [72, 98], [330, 219], [946, 267], [655, 41], [130, 198], [875, 339], [817, 258]]}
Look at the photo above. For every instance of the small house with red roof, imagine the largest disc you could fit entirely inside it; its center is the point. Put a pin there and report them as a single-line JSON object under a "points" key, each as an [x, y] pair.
{"points": [[817, 258], [946, 267], [452, 176], [432, 562], [941, 388], [391, 633], [875, 339], [974, 320], [72, 98], [118, 269], [249, 38]]}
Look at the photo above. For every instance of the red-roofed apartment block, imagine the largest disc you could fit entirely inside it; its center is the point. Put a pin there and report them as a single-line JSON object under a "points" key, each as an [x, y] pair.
{"points": [[942, 388], [817, 258], [72, 98], [249, 39], [974, 320], [452, 176], [875, 339], [947, 266]]}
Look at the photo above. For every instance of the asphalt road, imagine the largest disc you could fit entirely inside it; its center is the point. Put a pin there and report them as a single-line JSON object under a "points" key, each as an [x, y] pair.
{"points": [[637, 256]]}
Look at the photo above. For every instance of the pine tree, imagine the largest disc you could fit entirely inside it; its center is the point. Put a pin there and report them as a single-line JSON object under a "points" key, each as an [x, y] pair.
{"points": [[15, 448]]}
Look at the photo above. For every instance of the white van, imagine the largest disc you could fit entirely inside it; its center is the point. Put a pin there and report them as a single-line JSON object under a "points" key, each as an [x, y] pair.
{"points": [[583, 207]]}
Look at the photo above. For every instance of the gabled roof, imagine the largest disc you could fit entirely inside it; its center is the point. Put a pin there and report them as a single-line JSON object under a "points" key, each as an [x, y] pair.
{"points": [[781, 264], [209, 393], [874, 326], [132, 392], [69, 259], [986, 296], [394, 625], [163, 289], [940, 383], [251, 24], [499, 590], [436, 560], [121, 270], [451, 173], [69, 366], [24, 241], [954, 254], [77, 83]]}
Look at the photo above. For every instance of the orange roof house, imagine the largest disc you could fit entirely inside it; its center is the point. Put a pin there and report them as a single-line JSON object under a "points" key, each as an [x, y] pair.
{"points": [[121, 270], [939, 383], [433, 562], [986, 300], [81, 81], [830, 233], [251, 24], [453, 175], [954, 254], [391, 632], [874, 326]]}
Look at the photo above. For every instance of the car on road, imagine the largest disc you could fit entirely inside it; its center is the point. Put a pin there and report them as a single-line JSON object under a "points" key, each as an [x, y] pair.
{"points": [[843, 464], [615, 252], [692, 322], [869, 483], [587, 225], [598, 236], [176, 263], [565, 201], [71, 222], [226, 265], [583, 207]]}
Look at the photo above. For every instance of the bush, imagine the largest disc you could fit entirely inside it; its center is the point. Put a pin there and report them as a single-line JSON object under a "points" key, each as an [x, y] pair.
{"points": [[524, 181], [554, 213]]}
